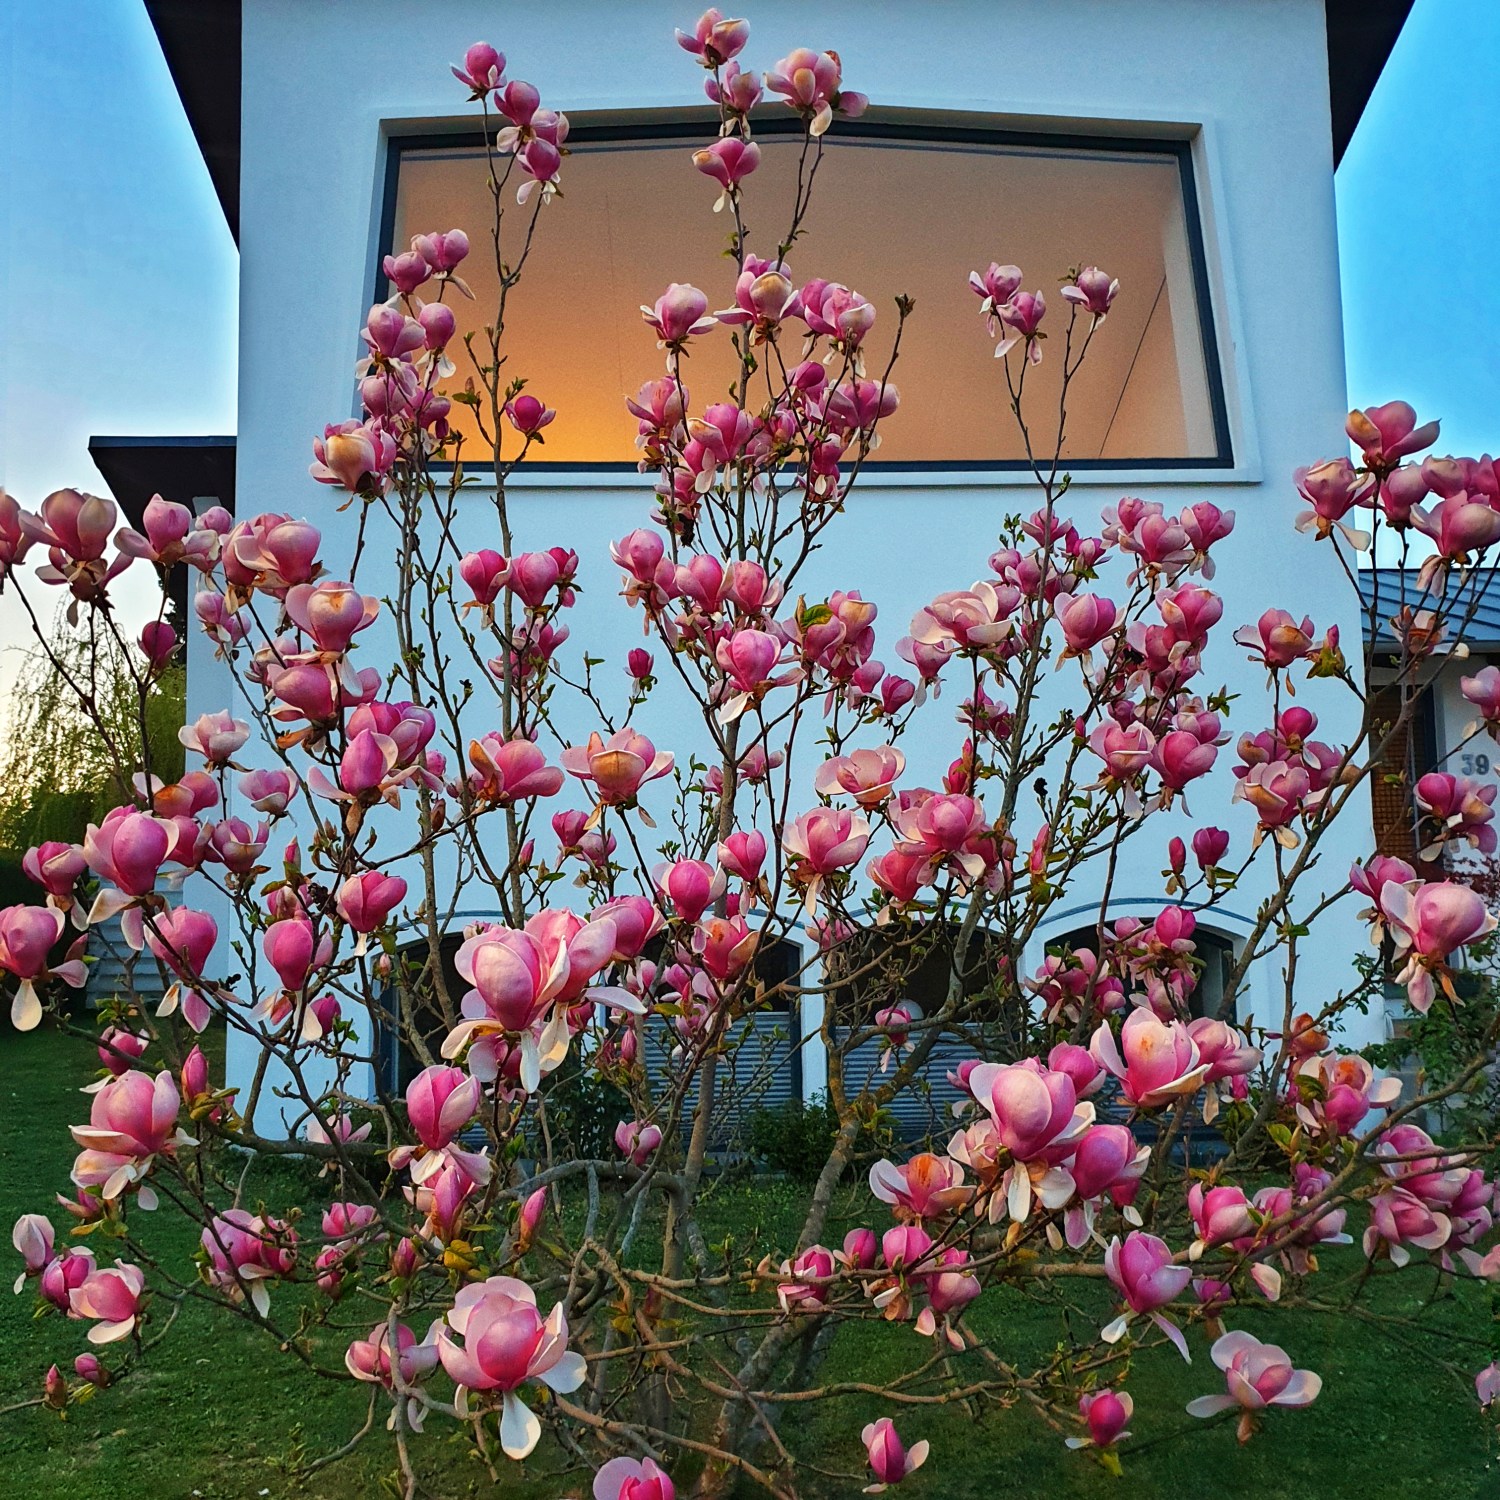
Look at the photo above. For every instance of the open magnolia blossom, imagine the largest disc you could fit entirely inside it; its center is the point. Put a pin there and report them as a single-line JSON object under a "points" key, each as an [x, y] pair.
{"points": [[1054, 1007], [1258, 1375]]}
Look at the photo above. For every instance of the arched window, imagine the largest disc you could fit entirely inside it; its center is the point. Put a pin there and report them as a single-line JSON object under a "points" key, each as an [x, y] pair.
{"points": [[1215, 953], [882, 967], [423, 1013], [759, 1060]]}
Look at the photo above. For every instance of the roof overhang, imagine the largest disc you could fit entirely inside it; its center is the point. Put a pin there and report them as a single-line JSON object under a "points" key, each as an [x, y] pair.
{"points": [[201, 42], [184, 469]]}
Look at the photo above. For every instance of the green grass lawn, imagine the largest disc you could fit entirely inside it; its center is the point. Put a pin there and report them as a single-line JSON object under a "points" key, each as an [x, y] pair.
{"points": [[219, 1414]]}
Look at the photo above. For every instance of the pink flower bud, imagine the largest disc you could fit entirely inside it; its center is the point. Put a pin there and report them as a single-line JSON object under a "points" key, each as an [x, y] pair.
{"points": [[158, 643], [528, 415], [890, 1461], [483, 68]]}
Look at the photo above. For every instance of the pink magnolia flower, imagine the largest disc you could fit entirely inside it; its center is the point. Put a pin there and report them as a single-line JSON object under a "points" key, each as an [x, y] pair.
{"points": [[1143, 1272], [528, 415], [440, 1101], [1276, 639], [1258, 1375], [1092, 290], [483, 69], [735, 90], [332, 614], [243, 1251], [57, 868], [269, 791], [1078, 1063], [366, 901], [1483, 691], [1386, 434], [215, 736], [866, 775], [1086, 619], [836, 311], [506, 1342], [63, 1275], [1344, 1092], [15, 539], [1333, 488], [1428, 924], [743, 854], [821, 843], [729, 161], [637, 1141], [1105, 1413], [75, 530], [369, 1359], [803, 1288], [860, 1249], [1156, 1061], [950, 1289], [1023, 315], [975, 619], [927, 1186], [1458, 524], [713, 41], [509, 771], [678, 314], [355, 455], [1221, 1215], [32, 1236], [618, 767], [521, 976], [890, 1460], [1210, 845], [170, 537], [996, 287], [811, 83], [127, 850], [294, 948], [689, 886], [1227, 1053], [115, 1297], [763, 292], [27, 937], [1398, 1218], [133, 1119], [632, 1479], [1037, 1119]]}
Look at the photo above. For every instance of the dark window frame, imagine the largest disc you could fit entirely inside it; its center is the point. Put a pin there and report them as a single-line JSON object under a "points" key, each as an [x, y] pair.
{"points": [[398, 143]]}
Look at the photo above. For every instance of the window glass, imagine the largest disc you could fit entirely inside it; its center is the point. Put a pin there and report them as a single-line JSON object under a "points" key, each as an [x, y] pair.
{"points": [[891, 215]]}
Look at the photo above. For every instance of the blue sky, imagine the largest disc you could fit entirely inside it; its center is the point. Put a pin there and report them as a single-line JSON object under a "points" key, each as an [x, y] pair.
{"points": [[1419, 223], [118, 272], [117, 269]]}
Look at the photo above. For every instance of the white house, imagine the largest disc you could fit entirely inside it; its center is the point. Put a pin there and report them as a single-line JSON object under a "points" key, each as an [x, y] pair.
{"points": [[1188, 147]]}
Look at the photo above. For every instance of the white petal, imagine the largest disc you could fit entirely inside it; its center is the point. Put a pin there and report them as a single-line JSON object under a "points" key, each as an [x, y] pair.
{"points": [[520, 1430]]}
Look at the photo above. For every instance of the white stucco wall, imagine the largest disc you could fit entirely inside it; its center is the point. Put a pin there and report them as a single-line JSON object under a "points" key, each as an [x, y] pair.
{"points": [[1245, 80]]}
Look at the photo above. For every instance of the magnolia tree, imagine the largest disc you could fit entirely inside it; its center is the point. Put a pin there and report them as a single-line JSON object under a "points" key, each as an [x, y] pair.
{"points": [[470, 1260]]}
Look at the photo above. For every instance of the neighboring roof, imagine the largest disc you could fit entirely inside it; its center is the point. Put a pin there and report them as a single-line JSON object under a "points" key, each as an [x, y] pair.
{"points": [[1473, 606], [176, 468], [201, 42], [183, 469]]}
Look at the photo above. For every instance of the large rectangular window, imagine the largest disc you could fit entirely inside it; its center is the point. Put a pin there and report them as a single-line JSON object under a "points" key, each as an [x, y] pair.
{"points": [[896, 209]]}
